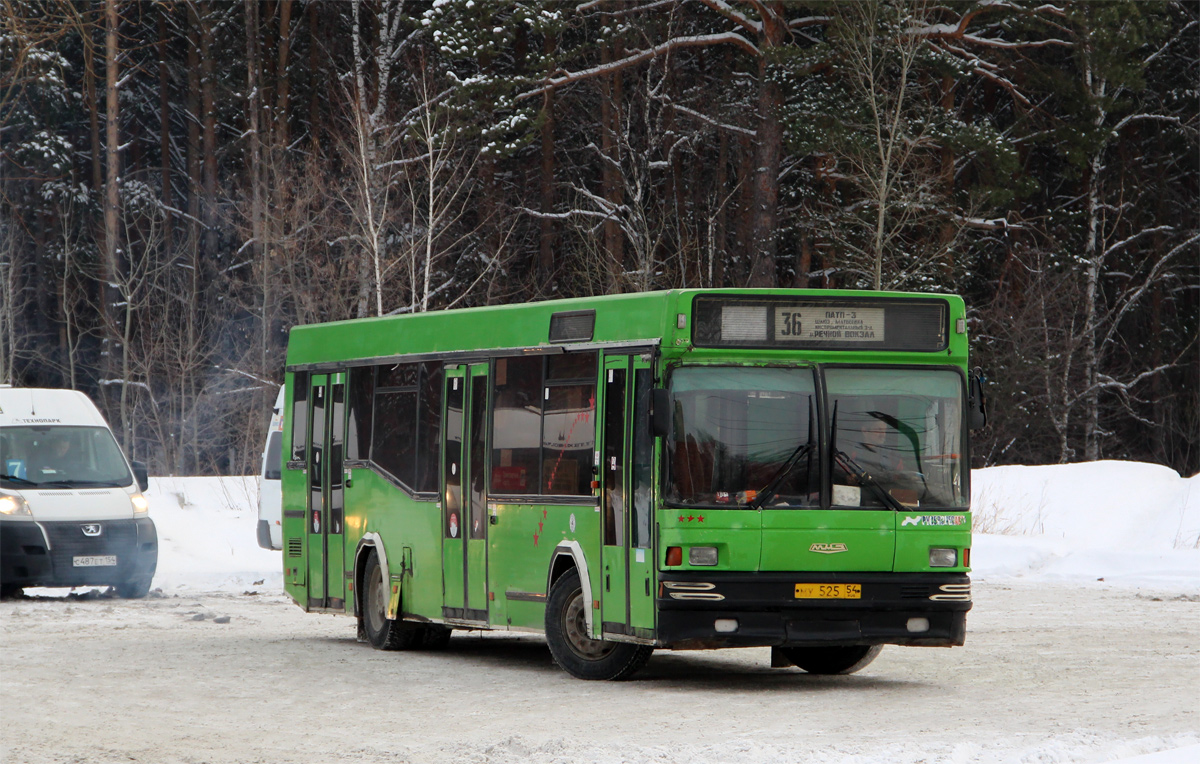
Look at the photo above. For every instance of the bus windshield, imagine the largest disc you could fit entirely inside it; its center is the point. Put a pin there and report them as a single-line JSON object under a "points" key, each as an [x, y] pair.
{"points": [[61, 457], [738, 430], [748, 436], [897, 439]]}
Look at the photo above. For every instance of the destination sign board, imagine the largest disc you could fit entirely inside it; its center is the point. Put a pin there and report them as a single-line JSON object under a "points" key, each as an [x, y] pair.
{"points": [[913, 323], [795, 323]]}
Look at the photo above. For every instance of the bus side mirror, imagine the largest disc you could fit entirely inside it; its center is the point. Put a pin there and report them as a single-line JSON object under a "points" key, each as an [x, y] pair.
{"points": [[660, 412], [976, 402], [140, 475]]}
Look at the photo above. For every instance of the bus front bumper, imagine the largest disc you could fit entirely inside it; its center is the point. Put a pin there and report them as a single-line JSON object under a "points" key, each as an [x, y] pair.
{"points": [[722, 609]]}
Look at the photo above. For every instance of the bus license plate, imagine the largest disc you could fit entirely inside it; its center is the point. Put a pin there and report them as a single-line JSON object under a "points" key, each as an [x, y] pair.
{"points": [[828, 591], [96, 561]]}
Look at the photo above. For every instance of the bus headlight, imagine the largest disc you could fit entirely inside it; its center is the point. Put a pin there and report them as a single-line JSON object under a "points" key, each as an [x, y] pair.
{"points": [[13, 506], [940, 557], [140, 505]]}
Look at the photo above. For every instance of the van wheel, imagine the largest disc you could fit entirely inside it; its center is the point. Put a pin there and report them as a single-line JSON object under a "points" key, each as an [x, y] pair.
{"points": [[134, 590], [832, 660], [383, 633], [579, 655], [10, 591]]}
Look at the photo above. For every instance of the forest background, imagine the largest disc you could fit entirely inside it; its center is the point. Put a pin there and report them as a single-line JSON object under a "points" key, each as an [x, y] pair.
{"points": [[182, 182]]}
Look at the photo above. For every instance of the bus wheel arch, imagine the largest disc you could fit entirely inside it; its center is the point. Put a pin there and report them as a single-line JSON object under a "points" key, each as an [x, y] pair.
{"points": [[568, 556], [382, 632], [370, 542]]}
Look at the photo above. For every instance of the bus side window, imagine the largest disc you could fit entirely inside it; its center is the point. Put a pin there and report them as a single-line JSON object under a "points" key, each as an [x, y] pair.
{"points": [[394, 437], [516, 425], [299, 415], [429, 427], [362, 392]]}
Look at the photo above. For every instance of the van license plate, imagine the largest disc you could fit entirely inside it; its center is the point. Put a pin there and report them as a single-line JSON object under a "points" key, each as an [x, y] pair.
{"points": [[96, 561], [828, 591]]}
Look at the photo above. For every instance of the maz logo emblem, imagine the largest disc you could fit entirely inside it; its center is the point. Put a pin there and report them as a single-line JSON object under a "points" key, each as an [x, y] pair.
{"points": [[91, 529], [828, 548]]}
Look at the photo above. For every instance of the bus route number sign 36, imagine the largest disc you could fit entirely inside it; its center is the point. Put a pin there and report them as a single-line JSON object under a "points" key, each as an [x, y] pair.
{"points": [[814, 324]]}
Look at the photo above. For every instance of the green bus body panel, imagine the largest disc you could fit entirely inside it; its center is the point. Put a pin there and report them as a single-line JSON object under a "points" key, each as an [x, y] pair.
{"points": [[913, 542], [737, 535], [522, 537], [833, 540]]}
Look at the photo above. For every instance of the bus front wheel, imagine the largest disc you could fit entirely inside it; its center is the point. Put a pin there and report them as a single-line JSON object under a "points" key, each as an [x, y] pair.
{"points": [[382, 632], [832, 660], [573, 648]]}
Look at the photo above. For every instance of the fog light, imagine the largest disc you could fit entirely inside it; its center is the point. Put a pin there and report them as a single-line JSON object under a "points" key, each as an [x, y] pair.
{"points": [[918, 624], [702, 555], [942, 558], [725, 625]]}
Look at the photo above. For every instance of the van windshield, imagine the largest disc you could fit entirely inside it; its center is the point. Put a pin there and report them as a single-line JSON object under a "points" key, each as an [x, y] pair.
{"points": [[61, 457]]}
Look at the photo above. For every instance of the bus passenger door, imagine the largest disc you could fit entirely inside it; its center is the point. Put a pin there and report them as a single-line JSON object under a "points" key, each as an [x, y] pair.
{"points": [[326, 579], [627, 603], [453, 557], [476, 532], [614, 600], [640, 467]]}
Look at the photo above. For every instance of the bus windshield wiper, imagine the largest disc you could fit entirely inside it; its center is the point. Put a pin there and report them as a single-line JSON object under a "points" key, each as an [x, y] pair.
{"points": [[852, 467], [772, 487], [16, 479]]}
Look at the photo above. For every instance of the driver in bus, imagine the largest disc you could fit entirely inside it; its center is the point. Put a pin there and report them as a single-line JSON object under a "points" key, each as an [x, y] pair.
{"points": [[872, 451]]}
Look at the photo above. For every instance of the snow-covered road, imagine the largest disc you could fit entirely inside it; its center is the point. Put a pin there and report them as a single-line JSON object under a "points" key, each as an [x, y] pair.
{"points": [[1050, 673]]}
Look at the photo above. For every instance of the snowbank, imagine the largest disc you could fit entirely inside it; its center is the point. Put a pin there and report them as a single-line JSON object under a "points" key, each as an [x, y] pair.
{"points": [[1124, 523], [207, 539]]}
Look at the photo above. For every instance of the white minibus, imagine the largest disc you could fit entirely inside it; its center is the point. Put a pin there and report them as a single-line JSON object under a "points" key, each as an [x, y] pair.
{"points": [[270, 499], [72, 511]]}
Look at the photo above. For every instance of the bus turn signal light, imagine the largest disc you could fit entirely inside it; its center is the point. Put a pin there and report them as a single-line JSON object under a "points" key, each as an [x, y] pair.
{"points": [[674, 556]]}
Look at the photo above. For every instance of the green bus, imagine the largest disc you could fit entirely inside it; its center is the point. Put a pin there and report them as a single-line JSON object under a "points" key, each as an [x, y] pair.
{"points": [[684, 469]]}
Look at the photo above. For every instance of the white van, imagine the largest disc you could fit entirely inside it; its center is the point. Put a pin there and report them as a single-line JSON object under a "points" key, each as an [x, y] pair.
{"points": [[71, 508], [270, 495]]}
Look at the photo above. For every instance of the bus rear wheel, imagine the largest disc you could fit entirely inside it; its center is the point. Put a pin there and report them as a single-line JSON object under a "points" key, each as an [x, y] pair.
{"points": [[832, 660], [383, 633], [573, 648]]}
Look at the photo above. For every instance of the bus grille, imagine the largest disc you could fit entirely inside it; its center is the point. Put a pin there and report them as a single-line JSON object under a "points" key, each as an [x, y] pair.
{"points": [[295, 547]]}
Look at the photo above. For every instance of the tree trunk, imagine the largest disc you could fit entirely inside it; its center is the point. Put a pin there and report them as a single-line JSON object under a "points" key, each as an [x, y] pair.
{"points": [[283, 91], [768, 150], [112, 211], [209, 131], [164, 127], [546, 239]]}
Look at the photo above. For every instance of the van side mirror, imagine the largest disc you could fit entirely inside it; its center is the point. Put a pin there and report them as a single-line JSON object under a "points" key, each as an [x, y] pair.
{"points": [[660, 412], [976, 401], [140, 475]]}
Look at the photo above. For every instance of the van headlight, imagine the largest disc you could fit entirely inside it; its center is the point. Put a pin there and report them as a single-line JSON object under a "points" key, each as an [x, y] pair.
{"points": [[140, 505], [13, 506]]}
